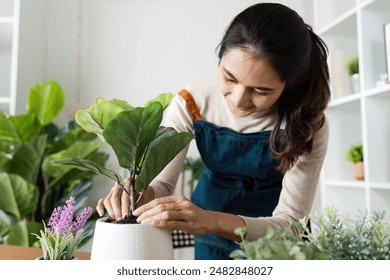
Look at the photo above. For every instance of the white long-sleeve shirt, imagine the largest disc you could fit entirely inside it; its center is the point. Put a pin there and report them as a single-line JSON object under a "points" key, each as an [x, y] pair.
{"points": [[299, 183]]}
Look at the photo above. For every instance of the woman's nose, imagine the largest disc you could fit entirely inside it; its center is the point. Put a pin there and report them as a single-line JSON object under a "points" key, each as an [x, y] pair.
{"points": [[239, 98]]}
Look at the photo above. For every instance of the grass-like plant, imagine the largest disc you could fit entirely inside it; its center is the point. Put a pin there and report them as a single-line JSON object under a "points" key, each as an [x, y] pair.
{"points": [[141, 144]]}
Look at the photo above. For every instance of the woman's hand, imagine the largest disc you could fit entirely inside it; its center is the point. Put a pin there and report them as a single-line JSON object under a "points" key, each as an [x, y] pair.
{"points": [[117, 202], [175, 212]]}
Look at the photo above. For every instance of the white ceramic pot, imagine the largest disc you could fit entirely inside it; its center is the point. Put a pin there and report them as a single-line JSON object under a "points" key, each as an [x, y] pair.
{"points": [[354, 81], [130, 242]]}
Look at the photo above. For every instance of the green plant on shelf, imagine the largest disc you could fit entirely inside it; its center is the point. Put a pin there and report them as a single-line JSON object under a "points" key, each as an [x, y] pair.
{"points": [[353, 65], [355, 153]]}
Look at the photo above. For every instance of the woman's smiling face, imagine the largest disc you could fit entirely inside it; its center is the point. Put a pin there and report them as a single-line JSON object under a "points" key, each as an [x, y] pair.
{"points": [[247, 82]]}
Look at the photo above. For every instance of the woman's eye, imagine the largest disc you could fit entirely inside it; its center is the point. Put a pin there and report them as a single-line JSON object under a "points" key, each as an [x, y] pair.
{"points": [[229, 79], [253, 90]]}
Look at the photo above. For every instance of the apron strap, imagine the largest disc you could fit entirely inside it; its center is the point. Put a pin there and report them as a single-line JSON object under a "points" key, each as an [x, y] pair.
{"points": [[191, 105]]}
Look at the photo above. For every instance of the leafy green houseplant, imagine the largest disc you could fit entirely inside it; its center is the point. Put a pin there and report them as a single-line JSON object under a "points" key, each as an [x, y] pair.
{"points": [[30, 187], [342, 238], [278, 244], [63, 234], [142, 147], [355, 156], [332, 236]]}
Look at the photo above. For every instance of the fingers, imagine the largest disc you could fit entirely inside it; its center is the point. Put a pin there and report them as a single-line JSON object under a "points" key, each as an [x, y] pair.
{"points": [[167, 209], [159, 201], [112, 203], [100, 207]]}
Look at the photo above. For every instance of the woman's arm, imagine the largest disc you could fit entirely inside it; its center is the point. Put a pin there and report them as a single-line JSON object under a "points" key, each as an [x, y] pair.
{"points": [[177, 212], [296, 198]]}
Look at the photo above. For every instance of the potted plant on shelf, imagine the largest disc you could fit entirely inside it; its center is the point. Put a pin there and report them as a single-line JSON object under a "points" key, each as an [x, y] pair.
{"points": [[143, 147], [355, 156], [63, 234], [353, 72]]}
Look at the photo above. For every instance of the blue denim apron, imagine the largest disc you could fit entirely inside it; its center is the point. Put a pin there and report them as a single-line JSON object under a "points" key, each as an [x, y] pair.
{"points": [[239, 177]]}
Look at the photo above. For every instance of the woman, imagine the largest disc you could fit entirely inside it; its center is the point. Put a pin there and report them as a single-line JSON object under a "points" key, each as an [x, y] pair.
{"points": [[261, 132]]}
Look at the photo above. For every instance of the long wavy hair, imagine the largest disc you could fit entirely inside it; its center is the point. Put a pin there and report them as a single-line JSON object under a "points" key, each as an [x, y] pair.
{"points": [[279, 36]]}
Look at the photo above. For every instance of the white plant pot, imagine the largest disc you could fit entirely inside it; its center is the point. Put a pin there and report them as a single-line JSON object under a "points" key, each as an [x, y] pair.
{"points": [[130, 242], [354, 81]]}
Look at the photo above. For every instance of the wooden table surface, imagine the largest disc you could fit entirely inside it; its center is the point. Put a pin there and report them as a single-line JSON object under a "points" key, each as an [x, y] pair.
{"points": [[8, 252]]}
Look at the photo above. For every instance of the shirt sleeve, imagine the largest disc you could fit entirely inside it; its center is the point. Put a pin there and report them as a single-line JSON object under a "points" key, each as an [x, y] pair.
{"points": [[299, 187], [178, 117]]}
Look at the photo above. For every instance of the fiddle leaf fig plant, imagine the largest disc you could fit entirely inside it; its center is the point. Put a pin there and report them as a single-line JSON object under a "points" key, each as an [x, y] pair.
{"points": [[142, 146]]}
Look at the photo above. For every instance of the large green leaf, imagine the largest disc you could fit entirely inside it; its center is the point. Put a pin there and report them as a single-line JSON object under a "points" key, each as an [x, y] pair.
{"points": [[4, 228], [130, 132], [18, 234], [27, 126], [8, 134], [164, 99], [67, 139], [78, 150], [21, 233], [4, 162], [77, 174], [167, 144], [46, 101], [96, 117], [87, 165], [18, 197], [28, 158]]}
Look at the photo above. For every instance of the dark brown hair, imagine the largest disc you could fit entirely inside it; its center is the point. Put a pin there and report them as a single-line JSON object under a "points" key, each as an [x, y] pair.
{"points": [[279, 35]]}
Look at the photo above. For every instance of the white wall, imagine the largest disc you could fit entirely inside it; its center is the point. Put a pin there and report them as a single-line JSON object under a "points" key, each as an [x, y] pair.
{"points": [[135, 49]]}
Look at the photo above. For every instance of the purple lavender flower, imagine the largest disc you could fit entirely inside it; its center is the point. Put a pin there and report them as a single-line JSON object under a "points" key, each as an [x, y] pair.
{"points": [[66, 218], [81, 219], [62, 218], [54, 219]]}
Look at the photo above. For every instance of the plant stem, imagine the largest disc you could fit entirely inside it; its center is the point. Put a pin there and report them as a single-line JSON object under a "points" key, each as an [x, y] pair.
{"points": [[132, 190]]}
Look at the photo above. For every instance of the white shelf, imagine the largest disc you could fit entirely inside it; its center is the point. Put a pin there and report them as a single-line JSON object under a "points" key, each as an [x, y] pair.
{"points": [[345, 184], [9, 35], [6, 19], [356, 28], [344, 24]]}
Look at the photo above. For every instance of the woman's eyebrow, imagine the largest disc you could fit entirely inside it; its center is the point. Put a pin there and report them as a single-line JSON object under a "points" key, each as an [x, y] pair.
{"points": [[227, 72]]}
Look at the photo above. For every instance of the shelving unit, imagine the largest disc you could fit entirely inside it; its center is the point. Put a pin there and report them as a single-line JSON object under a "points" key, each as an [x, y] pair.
{"points": [[9, 39], [349, 28], [23, 51]]}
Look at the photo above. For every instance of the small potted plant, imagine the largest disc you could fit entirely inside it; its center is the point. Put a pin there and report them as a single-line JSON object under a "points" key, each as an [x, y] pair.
{"points": [[143, 147], [353, 72], [355, 156], [63, 234]]}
